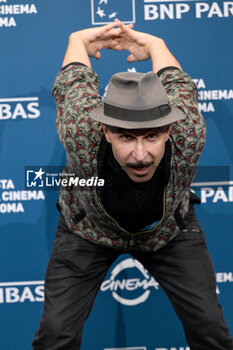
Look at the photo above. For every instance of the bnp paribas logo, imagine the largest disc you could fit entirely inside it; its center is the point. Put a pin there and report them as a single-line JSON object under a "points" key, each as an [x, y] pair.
{"points": [[105, 11]]}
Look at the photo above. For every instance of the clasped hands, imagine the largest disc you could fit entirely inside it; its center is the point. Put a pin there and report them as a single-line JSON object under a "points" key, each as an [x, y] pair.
{"points": [[118, 36]]}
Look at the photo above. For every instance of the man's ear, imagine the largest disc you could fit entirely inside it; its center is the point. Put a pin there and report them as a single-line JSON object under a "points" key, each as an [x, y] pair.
{"points": [[106, 133]]}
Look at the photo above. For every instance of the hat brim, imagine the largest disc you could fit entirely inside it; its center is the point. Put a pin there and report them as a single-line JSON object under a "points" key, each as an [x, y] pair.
{"points": [[175, 115]]}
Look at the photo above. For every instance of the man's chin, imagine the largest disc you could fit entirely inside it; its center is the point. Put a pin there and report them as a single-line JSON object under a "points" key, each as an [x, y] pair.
{"points": [[139, 177]]}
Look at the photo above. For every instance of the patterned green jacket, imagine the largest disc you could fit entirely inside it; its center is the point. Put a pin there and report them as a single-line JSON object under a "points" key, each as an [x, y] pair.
{"points": [[76, 91]]}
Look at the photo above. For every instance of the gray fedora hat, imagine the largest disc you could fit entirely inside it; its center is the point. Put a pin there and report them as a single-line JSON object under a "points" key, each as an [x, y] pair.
{"points": [[136, 101]]}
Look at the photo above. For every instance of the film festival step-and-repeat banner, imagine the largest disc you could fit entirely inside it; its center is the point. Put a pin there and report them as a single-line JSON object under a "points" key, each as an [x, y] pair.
{"points": [[131, 311]]}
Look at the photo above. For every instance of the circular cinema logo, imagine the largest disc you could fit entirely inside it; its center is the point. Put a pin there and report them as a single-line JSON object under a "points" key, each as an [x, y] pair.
{"points": [[130, 283]]}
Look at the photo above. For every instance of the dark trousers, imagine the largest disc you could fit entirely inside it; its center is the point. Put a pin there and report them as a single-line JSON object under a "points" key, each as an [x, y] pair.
{"points": [[183, 269]]}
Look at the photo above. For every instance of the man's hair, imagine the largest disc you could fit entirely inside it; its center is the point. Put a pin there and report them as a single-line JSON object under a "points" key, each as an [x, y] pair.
{"points": [[118, 130]]}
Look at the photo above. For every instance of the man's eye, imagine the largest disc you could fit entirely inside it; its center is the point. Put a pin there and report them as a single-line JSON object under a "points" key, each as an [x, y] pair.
{"points": [[152, 137], [126, 137]]}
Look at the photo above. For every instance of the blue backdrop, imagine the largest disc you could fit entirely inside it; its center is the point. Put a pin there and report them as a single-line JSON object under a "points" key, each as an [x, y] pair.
{"points": [[131, 311]]}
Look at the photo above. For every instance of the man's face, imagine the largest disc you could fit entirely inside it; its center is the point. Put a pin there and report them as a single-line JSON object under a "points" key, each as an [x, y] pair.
{"points": [[138, 152]]}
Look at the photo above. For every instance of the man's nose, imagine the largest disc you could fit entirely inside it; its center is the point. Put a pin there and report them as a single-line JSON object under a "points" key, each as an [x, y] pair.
{"points": [[139, 152]]}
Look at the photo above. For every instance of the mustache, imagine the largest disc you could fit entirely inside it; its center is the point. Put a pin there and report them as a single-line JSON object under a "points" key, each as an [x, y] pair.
{"points": [[138, 165]]}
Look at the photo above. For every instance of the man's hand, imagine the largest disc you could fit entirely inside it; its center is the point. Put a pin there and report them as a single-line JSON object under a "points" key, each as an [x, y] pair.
{"points": [[143, 46], [140, 45], [88, 42], [98, 38]]}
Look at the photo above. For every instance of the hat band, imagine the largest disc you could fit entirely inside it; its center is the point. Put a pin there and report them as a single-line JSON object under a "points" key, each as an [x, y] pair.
{"points": [[130, 115]]}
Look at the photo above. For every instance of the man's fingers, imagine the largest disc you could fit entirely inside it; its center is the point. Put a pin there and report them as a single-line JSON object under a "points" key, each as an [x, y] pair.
{"points": [[132, 34], [114, 29], [131, 58], [130, 25], [116, 46], [114, 32], [97, 55], [116, 22], [111, 33], [112, 44], [111, 25]]}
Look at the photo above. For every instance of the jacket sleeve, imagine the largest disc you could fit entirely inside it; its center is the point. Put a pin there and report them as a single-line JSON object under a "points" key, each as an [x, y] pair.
{"points": [[188, 135], [76, 93]]}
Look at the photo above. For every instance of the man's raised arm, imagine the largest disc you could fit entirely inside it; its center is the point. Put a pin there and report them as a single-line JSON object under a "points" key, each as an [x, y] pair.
{"points": [[88, 43]]}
